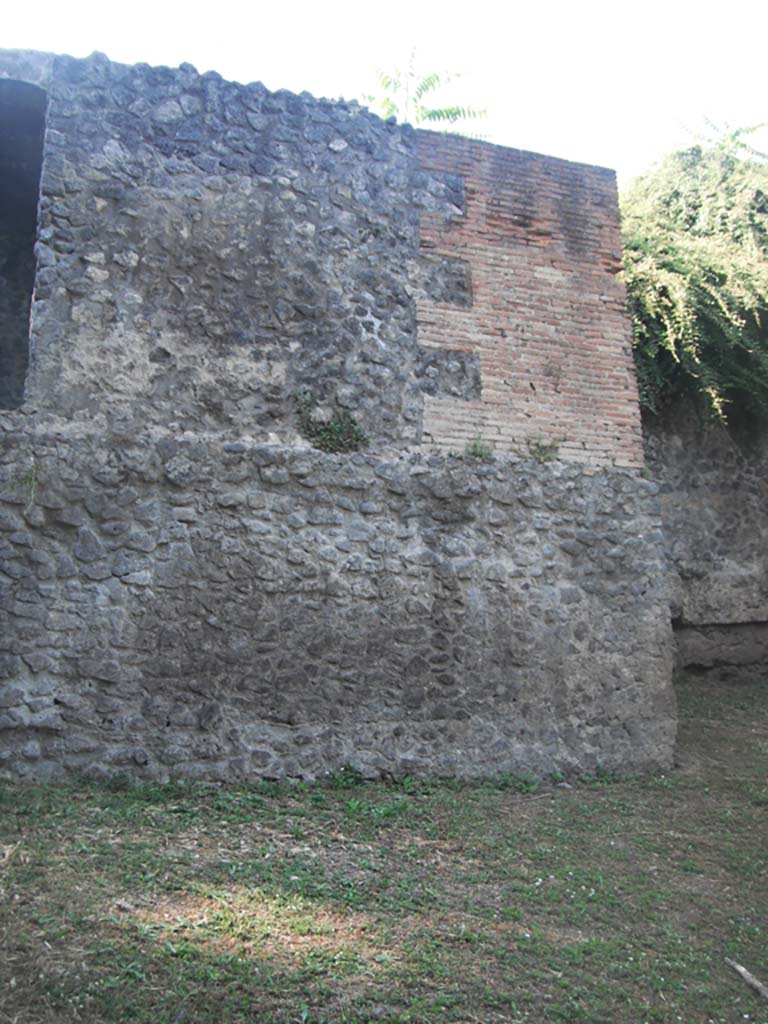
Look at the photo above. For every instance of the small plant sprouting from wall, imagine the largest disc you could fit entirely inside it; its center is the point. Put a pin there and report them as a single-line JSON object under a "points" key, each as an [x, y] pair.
{"points": [[27, 485], [479, 448], [543, 451], [340, 433]]}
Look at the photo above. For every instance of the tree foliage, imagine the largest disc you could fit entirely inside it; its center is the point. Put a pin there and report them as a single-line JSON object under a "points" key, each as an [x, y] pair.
{"points": [[696, 268], [414, 98]]}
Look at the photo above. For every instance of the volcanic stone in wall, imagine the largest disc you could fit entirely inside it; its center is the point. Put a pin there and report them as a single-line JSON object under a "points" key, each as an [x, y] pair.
{"points": [[220, 610], [210, 251]]}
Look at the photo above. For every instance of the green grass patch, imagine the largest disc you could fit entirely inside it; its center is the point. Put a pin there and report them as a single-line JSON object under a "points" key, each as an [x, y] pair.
{"points": [[611, 900]]}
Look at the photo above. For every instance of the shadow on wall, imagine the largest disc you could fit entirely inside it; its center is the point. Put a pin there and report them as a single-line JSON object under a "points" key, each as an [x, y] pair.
{"points": [[22, 125]]}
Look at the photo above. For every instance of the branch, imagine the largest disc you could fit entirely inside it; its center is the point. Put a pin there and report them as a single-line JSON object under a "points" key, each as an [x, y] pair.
{"points": [[750, 979]]}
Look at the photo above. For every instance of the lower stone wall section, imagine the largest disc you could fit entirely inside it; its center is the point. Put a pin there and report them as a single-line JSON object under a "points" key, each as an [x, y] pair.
{"points": [[183, 607], [734, 646]]}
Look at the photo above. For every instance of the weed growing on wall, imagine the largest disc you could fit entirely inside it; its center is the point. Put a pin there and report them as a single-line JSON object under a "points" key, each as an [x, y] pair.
{"points": [[26, 484], [340, 433], [543, 451], [479, 448]]}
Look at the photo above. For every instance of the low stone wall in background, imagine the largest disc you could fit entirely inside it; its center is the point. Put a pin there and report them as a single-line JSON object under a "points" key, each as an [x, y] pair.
{"points": [[714, 505]]}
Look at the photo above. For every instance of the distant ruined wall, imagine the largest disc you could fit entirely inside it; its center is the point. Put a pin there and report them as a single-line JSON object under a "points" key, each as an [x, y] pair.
{"points": [[186, 587], [714, 503]]}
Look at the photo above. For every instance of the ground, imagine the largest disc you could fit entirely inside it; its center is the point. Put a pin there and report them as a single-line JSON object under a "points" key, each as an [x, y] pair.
{"points": [[608, 900]]}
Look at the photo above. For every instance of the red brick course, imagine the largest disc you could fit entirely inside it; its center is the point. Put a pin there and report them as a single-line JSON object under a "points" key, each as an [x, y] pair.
{"points": [[548, 317]]}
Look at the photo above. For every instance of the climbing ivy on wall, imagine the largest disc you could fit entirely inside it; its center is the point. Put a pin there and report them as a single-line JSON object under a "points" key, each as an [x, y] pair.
{"points": [[695, 234]]}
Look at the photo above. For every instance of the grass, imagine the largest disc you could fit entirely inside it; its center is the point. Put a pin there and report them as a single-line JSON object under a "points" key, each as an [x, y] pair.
{"points": [[611, 901]]}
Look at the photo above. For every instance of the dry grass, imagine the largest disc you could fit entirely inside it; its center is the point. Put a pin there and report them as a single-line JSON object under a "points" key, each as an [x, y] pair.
{"points": [[611, 901]]}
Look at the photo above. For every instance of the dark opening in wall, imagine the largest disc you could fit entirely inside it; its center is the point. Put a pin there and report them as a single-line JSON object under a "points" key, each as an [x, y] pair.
{"points": [[22, 122]]}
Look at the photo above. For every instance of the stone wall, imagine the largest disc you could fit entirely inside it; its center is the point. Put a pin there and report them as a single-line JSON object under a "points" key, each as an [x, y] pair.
{"points": [[714, 503], [209, 251], [186, 587], [221, 610]]}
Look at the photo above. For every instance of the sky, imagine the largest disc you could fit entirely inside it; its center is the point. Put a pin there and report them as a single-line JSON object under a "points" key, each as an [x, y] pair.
{"points": [[604, 83]]}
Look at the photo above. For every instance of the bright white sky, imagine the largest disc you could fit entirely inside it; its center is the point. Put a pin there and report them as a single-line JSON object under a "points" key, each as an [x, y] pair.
{"points": [[608, 83]]}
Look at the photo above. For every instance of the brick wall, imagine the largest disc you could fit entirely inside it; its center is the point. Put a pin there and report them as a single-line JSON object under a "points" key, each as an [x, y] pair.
{"points": [[547, 316]]}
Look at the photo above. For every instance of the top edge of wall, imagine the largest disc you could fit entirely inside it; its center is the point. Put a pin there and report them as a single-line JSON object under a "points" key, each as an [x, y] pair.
{"points": [[32, 66], [36, 68], [437, 139]]}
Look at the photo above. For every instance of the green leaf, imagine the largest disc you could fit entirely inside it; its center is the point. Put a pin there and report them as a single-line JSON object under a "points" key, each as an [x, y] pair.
{"points": [[695, 236]]}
